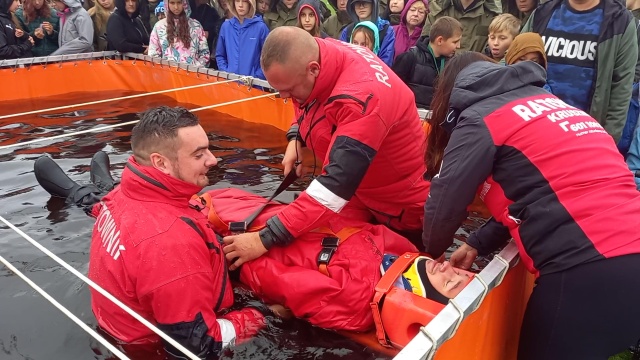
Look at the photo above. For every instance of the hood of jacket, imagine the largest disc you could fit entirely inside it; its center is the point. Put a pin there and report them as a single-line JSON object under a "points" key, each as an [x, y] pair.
{"points": [[376, 34], [139, 181], [523, 44], [313, 5], [250, 15], [73, 4], [4, 6], [485, 79], [185, 5], [351, 10], [405, 10], [122, 11]]}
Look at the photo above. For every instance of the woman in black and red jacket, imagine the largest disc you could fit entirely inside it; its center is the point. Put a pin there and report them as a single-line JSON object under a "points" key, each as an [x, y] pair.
{"points": [[554, 182]]}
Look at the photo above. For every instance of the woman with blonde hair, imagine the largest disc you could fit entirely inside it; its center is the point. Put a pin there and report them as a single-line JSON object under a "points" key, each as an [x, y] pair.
{"points": [[100, 13]]}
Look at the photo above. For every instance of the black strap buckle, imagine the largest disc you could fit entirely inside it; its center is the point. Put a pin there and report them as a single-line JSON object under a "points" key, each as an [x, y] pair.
{"points": [[237, 227], [329, 246]]}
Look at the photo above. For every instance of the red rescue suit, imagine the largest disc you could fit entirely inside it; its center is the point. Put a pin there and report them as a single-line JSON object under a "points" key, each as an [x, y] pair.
{"points": [[161, 258], [339, 299], [361, 119]]}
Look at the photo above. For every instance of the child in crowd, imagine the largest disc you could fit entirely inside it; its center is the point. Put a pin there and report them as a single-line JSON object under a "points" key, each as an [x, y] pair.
{"points": [[125, 29], [310, 18], [160, 12], [335, 23], [366, 34], [241, 39], [42, 23], [100, 13], [363, 10], [282, 13], [262, 7], [420, 66], [14, 43], [408, 32], [502, 30], [527, 47], [76, 29], [178, 37], [393, 12]]}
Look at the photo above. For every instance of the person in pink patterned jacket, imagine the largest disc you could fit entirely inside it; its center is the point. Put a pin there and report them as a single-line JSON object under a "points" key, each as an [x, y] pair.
{"points": [[178, 37]]}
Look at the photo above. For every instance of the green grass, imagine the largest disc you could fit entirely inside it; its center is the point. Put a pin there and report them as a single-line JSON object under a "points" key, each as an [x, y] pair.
{"points": [[622, 356]]}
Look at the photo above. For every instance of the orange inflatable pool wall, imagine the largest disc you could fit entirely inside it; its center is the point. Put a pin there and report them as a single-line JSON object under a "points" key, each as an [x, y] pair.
{"points": [[131, 77], [489, 333]]}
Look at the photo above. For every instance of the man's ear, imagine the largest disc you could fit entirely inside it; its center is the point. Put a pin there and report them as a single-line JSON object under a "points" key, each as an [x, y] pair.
{"points": [[160, 162], [314, 68]]}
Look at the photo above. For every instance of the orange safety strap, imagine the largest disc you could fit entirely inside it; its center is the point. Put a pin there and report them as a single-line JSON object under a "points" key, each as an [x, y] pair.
{"points": [[382, 289], [342, 236], [214, 218]]}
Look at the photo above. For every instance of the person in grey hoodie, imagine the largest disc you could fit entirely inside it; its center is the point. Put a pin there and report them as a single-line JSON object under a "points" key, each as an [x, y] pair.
{"points": [[76, 28]]}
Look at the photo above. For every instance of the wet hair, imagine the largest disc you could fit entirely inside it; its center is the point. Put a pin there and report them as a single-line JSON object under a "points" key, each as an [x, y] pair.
{"points": [[438, 137], [446, 26], [368, 33], [31, 13], [505, 22], [157, 131], [181, 31]]}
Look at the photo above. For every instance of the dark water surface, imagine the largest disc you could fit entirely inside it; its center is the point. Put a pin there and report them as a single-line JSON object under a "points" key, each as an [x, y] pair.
{"points": [[32, 328]]}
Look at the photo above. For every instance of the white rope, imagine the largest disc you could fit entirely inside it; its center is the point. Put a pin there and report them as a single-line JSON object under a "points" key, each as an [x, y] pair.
{"points": [[485, 290], [102, 291], [114, 99], [503, 273], [107, 127], [55, 303]]}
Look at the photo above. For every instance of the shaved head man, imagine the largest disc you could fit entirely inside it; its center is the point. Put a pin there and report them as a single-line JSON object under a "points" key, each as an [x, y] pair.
{"points": [[357, 116], [290, 61]]}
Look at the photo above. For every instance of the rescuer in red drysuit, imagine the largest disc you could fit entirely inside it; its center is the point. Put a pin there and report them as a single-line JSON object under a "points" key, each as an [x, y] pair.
{"points": [[158, 255], [335, 297], [357, 116]]}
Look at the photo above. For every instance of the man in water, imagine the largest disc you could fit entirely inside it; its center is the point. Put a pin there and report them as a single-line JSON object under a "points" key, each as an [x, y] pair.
{"points": [[154, 252], [359, 118]]}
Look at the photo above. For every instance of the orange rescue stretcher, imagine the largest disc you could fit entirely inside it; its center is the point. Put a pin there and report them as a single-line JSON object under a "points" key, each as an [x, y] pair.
{"points": [[482, 322]]}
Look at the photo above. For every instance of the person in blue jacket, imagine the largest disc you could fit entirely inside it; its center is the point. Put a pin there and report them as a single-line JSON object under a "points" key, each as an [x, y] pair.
{"points": [[362, 10], [241, 39]]}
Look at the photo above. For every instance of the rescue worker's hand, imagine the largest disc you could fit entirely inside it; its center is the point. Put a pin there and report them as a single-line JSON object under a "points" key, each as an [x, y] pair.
{"points": [[463, 257], [244, 247], [292, 155]]}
